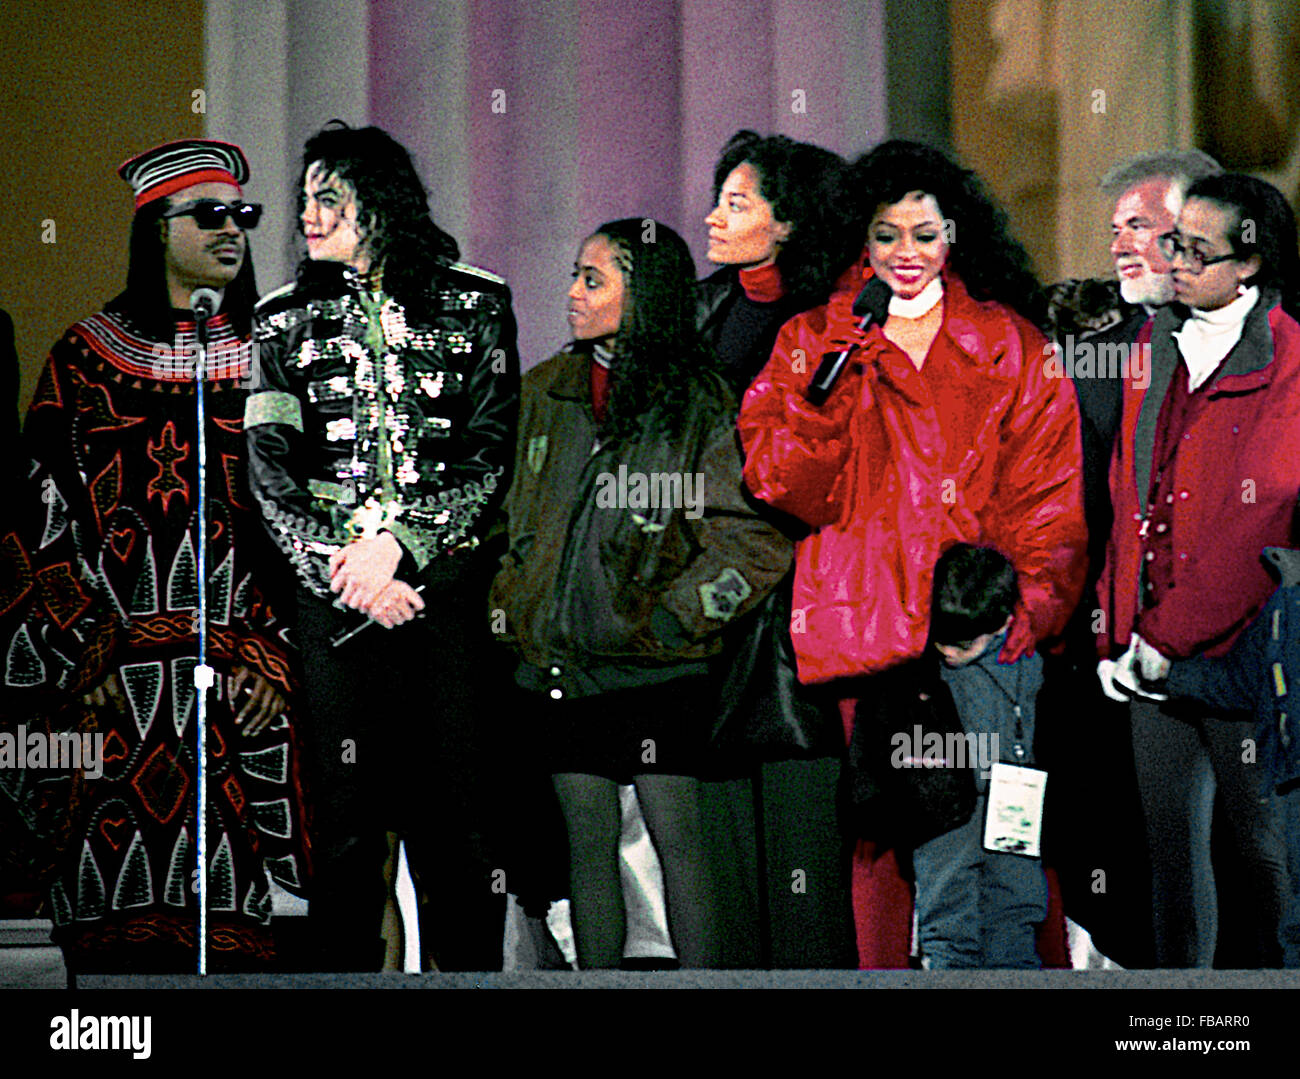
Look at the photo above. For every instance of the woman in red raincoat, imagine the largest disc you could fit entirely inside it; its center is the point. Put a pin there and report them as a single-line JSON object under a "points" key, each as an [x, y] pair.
{"points": [[946, 426]]}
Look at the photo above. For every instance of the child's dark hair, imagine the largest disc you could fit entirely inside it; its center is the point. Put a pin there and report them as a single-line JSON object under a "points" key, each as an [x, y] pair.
{"points": [[975, 591]]}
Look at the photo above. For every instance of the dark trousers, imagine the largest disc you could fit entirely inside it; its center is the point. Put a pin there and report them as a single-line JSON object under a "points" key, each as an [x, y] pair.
{"points": [[1289, 934], [394, 742], [1093, 833], [1181, 758], [780, 861]]}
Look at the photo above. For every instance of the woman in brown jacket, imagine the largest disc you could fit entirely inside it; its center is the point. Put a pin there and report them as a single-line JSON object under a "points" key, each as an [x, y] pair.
{"points": [[631, 549]]}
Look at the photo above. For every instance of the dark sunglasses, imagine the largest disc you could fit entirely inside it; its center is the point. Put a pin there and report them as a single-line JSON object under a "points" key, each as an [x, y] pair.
{"points": [[212, 213]]}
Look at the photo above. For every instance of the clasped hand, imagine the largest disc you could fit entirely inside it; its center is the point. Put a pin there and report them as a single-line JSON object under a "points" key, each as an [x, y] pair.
{"points": [[264, 703], [362, 574]]}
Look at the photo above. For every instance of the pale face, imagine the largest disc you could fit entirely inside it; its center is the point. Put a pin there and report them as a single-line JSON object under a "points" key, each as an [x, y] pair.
{"points": [[1204, 225], [201, 258], [329, 220], [597, 294], [906, 244], [1142, 214], [742, 228]]}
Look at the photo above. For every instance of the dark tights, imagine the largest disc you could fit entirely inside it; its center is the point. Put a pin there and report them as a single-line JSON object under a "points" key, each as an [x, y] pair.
{"points": [[671, 808], [1180, 762]]}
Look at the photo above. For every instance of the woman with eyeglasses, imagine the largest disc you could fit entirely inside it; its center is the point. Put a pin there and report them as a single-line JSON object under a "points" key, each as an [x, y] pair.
{"points": [[632, 549], [1204, 477]]}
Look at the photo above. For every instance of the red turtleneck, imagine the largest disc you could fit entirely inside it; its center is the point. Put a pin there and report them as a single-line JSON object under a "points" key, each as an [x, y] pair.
{"points": [[762, 284], [599, 390]]}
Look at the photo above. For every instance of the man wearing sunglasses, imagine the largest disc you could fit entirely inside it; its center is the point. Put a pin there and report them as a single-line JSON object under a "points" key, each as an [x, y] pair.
{"points": [[100, 629], [203, 233]]}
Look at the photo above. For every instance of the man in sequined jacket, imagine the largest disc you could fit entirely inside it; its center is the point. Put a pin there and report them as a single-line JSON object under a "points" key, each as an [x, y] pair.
{"points": [[381, 439]]}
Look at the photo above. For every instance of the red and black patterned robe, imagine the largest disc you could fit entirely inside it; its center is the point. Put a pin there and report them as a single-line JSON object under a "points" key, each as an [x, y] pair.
{"points": [[98, 575]]}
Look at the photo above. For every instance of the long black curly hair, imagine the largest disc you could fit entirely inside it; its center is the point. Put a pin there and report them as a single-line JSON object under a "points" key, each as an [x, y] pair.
{"points": [[392, 204], [658, 358], [982, 251], [806, 186], [1271, 235], [146, 301]]}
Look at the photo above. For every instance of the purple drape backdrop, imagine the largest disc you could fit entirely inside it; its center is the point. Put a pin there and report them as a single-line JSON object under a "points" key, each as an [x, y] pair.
{"points": [[534, 122]]}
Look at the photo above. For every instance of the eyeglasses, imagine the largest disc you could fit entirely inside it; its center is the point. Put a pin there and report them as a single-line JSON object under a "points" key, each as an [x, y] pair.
{"points": [[1171, 245], [211, 214]]}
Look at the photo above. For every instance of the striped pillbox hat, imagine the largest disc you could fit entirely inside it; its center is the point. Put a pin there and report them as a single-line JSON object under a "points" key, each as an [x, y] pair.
{"points": [[176, 165]]}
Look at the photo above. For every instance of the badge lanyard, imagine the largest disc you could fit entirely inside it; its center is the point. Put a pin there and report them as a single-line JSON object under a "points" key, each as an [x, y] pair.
{"points": [[1013, 810], [1018, 746]]}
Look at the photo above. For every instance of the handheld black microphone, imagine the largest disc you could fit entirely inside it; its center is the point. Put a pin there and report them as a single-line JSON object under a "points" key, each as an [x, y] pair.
{"points": [[872, 306], [204, 303]]}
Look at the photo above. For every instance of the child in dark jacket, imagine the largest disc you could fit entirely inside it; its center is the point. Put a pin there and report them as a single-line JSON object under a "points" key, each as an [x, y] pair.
{"points": [[1257, 676], [976, 907]]}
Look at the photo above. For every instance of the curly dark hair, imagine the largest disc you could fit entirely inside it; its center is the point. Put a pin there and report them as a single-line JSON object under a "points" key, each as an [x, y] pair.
{"points": [[146, 301], [1273, 237], [658, 358], [392, 203], [983, 252], [806, 186]]}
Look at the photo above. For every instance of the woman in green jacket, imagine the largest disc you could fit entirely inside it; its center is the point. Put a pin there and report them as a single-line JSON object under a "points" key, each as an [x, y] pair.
{"points": [[632, 548]]}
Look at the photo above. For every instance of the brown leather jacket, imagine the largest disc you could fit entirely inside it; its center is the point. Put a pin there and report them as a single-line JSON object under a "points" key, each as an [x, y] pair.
{"points": [[627, 559]]}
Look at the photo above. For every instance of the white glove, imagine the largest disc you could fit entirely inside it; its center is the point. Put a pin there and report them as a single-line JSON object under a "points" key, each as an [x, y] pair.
{"points": [[1153, 666], [1106, 675], [1119, 678]]}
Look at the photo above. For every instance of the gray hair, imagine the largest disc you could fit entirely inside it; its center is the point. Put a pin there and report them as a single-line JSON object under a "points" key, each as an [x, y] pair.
{"points": [[1183, 167]]}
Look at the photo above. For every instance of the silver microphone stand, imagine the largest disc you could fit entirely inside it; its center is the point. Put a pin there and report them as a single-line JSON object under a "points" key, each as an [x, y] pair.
{"points": [[204, 303]]}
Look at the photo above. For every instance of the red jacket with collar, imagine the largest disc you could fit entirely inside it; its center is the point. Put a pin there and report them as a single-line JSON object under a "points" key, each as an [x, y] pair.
{"points": [[1236, 474], [888, 478]]}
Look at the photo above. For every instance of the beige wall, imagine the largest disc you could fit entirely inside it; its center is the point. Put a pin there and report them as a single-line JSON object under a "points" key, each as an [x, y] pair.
{"points": [[1048, 94], [1004, 114], [83, 85], [1115, 102]]}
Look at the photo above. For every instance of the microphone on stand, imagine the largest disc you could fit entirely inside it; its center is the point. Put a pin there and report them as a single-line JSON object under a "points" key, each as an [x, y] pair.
{"points": [[872, 306], [204, 303]]}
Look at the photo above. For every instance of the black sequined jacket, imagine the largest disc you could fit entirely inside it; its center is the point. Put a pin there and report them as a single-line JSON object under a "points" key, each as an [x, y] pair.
{"points": [[368, 416]]}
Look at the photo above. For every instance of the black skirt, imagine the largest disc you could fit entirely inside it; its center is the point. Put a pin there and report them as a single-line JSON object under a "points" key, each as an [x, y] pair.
{"points": [[659, 729]]}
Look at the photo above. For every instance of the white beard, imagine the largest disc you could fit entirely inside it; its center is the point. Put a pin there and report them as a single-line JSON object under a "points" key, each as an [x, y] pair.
{"points": [[1152, 289]]}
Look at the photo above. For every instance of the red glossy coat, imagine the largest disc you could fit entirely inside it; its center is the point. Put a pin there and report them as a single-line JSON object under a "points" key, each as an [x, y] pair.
{"points": [[1236, 477], [895, 467]]}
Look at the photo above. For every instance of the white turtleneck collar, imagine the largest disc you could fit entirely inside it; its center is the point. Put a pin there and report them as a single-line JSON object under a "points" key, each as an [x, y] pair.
{"points": [[919, 305], [1206, 338]]}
